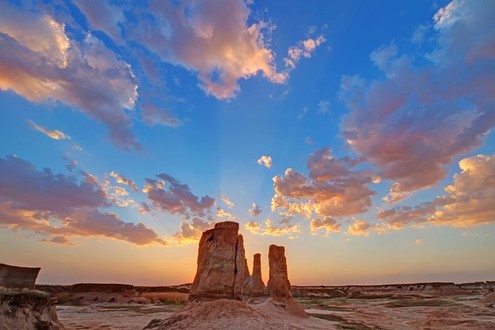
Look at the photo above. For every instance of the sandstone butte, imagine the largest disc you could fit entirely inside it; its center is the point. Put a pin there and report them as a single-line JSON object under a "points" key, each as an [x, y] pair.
{"points": [[225, 296]]}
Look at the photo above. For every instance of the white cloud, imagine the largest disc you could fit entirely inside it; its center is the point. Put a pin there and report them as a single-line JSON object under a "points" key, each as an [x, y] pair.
{"points": [[265, 161], [304, 48]]}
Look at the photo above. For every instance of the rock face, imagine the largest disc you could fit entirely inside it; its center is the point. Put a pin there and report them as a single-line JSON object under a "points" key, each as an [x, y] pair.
{"points": [[256, 285], [221, 264], [18, 277], [278, 282]]}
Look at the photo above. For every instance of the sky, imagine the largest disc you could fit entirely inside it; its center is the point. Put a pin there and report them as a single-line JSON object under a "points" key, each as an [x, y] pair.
{"points": [[358, 134]]}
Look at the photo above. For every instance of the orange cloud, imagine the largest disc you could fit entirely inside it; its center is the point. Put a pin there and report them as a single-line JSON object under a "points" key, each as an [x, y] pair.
{"points": [[55, 134], [467, 202], [283, 228], [328, 224]]}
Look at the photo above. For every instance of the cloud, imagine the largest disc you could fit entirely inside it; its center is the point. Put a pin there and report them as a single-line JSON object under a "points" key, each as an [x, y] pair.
{"points": [[153, 115], [102, 16], [332, 189], [254, 210], [411, 123], [144, 208], [169, 195], [283, 228], [41, 63], [55, 134], [360, 227], [304, 48], [71, 164], [467, 202], [228, 202], [265, 161], [210, 38], [191, 230], [119, 178], [329, 224], [53, 204], [221, 213], [253, 227]]}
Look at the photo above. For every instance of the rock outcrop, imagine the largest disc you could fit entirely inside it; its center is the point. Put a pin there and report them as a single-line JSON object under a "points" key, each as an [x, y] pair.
{"points": [[18, 277], [256, 285], [27, 310], [221, 264], [278, 282]]}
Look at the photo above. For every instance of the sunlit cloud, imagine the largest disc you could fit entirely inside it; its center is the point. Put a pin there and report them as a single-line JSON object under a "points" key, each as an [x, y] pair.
{"points": [[191, 230], [221, 213], [467, 202], [360, 227], [332, 189], [282, 228], [265, 161], [411, 123], [228, 202], [328, 224], [41, 63], [119, 178], [53, 204], [55, 134], [253, 227], [212, 39]]}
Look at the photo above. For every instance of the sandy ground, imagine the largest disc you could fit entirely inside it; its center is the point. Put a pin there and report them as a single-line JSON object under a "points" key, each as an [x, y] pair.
{"points": [[406, 312], [112, 316]]}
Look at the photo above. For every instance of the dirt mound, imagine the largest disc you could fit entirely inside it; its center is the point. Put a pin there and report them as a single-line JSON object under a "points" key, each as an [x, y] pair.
{"points": [[232, 314]]}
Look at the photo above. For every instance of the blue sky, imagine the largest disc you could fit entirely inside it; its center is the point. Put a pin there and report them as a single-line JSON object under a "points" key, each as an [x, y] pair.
{"points": [[356, 134]]}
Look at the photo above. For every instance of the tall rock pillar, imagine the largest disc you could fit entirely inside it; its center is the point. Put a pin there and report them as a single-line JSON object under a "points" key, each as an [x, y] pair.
{"points": [[257, 287], [278, 282], [221, 264]]}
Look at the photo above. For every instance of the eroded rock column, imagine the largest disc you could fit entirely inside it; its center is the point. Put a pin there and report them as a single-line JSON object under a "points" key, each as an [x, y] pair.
{"points": [[278, 282], [221, 264], [257, 287]]}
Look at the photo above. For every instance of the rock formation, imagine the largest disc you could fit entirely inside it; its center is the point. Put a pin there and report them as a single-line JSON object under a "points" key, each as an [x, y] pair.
{"points": [[18, 277], [256, 285], [221, 264], [27, 310], [278, 282], [224, 296]]}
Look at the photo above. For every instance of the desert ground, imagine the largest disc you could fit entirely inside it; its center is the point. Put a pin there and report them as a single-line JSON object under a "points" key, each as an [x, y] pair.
{"points": [[420, 306]]}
